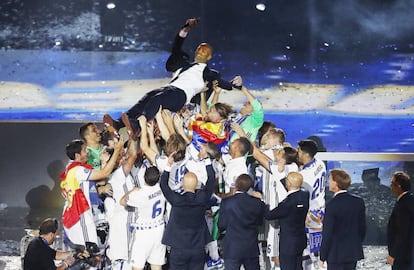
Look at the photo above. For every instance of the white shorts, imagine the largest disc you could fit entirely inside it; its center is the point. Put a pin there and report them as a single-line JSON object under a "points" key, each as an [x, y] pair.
{"points": [[147, 247], [272, 249], [83, 231], [118, 237]]}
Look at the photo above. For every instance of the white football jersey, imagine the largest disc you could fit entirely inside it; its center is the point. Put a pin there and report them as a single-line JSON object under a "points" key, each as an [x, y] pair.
{"points": [[150, 203]]}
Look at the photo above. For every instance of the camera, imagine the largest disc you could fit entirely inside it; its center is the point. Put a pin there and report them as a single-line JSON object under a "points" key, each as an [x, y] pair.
{"points": [[83, 263]]}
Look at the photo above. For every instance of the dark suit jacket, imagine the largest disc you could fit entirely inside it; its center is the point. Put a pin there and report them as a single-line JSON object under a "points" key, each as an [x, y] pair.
{"points": [[240, 215], [180, 59], [39, 256], [343, 229], [187, 227], [291, 213], [400, 230]]}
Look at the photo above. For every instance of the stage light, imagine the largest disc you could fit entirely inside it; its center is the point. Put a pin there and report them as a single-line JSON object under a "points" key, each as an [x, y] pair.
{"points": [[261, 6], [112, 21], [110, 5]]}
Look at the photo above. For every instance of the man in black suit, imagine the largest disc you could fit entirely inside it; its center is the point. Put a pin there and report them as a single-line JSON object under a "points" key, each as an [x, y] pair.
{"points": [[187, 232], [343, 225], [400, 230], [291, 213], [188, 81], [240, 215]]}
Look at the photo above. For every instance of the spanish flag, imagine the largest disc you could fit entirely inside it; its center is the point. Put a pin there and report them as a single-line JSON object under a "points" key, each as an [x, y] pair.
{"points": [[76, 202], [203, 132]]}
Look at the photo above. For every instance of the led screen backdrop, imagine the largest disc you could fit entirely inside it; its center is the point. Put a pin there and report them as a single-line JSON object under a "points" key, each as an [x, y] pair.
{"points": [[339, 71]]}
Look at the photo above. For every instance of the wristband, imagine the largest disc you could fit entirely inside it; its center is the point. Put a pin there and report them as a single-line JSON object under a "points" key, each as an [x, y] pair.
{"points": [[239, 87]]}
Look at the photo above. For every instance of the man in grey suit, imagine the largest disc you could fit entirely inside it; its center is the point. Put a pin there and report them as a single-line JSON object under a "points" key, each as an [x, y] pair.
{"points": [[291, 213], [344, 225]]}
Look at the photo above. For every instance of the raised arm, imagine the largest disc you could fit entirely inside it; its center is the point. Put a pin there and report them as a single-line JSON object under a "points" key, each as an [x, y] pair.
{"points": [[167, 116], [170, 195], [148, 152], [248, 94], [164, 130], [179, 127], [239, 130], [203, 100], [176, 48], [107, 170], [263, 159], [151, 137], [217, 91], [257, 115], [178, 57], [132, 152]]}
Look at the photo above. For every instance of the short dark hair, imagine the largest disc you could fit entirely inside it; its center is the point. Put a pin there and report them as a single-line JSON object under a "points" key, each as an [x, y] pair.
{"points": [[152, 175], [265, 128], [74, 147], [245, 146], [108, 150], [403, 180], [213, 151], [309, 147], [83, 129], [48, 225], [291, 154], [341, 178], [244, 182]]}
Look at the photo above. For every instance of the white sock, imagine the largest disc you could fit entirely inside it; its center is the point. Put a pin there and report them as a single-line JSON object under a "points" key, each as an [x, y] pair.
{"points": [[213, 250]]}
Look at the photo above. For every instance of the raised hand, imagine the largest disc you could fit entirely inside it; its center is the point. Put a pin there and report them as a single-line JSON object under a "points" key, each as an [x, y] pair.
{"points": [[190, 23]]}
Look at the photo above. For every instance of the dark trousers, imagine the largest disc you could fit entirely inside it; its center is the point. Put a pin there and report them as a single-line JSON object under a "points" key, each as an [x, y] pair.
{"points": [[183, 259], [342, 266], [169, 97], [401, 265], [248, 263], [290, 261]]}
